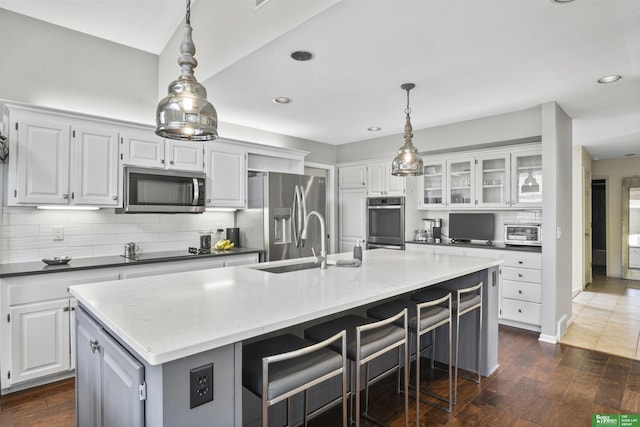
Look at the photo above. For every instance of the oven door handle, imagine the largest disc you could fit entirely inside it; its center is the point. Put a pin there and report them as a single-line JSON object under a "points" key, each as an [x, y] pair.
{"points": [[386, 207], [375, 245]]}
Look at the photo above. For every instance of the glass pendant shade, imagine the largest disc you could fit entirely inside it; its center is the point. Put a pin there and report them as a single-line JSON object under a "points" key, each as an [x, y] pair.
{"points": [[185, 112], [408, 162]]}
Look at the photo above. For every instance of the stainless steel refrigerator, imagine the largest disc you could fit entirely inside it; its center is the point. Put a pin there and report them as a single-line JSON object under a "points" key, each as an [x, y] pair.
{"points": [[276, 209]]}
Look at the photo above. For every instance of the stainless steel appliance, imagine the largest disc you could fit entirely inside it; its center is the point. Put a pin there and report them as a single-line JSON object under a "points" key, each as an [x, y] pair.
{"points": [[277, 206], [523, 234], [385, 222], [162, 191]]}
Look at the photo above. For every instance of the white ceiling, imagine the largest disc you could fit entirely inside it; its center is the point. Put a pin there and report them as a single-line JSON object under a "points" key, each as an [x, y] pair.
{"points": [[468, 59]]}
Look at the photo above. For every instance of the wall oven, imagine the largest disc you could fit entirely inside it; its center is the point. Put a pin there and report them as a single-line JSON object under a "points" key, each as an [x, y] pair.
{"points": [[385, 222], [162, 191]]}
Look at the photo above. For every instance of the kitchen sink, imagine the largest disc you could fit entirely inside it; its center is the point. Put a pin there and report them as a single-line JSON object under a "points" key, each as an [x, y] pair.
{"points": [[291, 267]]}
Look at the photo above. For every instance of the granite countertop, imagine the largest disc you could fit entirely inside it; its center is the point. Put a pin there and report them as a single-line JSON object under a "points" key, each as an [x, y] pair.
{"points": [[163, 322], [39, 267], [504, 247]]}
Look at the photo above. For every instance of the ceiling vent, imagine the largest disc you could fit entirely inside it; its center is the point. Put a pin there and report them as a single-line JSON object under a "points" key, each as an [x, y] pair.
{"points": [[260, 3]]}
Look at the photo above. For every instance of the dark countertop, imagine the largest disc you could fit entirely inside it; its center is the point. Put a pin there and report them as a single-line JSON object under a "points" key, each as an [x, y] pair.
{"points": [[535, 249], [39, 267]]}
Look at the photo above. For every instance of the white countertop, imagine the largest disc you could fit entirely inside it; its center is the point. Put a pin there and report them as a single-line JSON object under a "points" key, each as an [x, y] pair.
{"points": [[164, 318]]}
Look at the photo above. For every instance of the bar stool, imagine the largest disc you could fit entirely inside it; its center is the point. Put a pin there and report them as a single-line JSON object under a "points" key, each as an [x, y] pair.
{"points": [[367, 340], [277, 368], [432, 315], [465, 301]]}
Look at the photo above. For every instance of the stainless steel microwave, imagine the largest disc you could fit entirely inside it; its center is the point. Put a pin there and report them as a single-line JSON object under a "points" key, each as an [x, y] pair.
{"points": [[162, 191], [523, 234]]}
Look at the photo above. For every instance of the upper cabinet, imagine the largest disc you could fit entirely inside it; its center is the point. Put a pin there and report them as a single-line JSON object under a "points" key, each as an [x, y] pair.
{"points": [[226, 169], [142, 147], [352, 176], [61, 160], [510, 177], [380, 182]]}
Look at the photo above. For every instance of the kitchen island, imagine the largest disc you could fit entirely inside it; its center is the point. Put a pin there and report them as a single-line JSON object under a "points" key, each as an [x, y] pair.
{"points": [[177, 322]]}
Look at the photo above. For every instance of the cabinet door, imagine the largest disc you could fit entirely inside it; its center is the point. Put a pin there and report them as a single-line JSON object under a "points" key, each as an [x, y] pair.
{"points": [[376, 179], [396, 185], [494, 180], [122, 377], [142, 148], [184, 155], [526, 179], [353, 176], [461, 182], [88, 375], [226, 169], [40, 340], [95, 171], [431, 188], [42, 169], [352, 205]]}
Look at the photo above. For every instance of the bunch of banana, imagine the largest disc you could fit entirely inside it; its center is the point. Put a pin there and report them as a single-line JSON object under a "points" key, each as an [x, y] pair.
{"points": [[224, 245]]}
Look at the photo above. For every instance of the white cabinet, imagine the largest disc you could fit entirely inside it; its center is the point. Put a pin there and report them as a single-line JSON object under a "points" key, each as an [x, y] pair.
{"points": [[40, 339], [526, 178], [352, 176], [510, 178], [62, 160], [142, 147], [352, 214], [432, 193], [447, 183], [380, 182], [226, 169]]}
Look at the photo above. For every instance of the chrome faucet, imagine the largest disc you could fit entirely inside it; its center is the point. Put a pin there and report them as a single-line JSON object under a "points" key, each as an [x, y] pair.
{"points": [[323, 248]]}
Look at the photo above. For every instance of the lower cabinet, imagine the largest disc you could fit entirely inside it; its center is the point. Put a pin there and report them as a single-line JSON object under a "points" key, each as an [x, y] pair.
{"points": [[109, 379], [37, 332], [40, 339]]}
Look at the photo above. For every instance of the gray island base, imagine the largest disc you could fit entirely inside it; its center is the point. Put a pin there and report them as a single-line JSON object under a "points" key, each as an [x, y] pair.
{"points": [[138, 339]]}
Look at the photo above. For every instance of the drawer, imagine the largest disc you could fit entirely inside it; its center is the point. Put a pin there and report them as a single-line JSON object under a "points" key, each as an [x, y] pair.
{"points": [[521, 311], [524, 291], [522, 274], [524, 259]]}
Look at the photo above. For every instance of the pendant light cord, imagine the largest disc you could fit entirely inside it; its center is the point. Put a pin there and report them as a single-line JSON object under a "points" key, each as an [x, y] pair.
{"points": [[188, 20], [408, 109]]}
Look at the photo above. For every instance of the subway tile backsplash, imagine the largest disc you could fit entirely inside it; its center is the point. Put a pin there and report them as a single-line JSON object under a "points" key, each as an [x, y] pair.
{"points": [[27, 233]]}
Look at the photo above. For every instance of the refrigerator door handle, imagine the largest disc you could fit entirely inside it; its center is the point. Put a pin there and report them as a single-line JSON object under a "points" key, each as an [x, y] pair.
{"points": [[303, 216]]}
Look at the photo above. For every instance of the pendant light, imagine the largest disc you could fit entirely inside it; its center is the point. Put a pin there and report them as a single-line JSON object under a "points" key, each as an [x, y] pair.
{"points": [[530, 185], [185, 113], [408, 162]]}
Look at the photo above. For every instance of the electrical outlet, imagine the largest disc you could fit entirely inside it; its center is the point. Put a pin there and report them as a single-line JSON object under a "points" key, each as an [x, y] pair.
{"points": [[58, 233], [201, 385]]}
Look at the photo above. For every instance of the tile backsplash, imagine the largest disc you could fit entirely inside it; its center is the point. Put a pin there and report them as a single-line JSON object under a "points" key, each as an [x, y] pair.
{"points": [[28, 233]]}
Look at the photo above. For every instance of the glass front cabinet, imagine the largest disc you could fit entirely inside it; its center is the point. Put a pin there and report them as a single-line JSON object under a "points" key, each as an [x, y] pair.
{"points": [[489, 179]]}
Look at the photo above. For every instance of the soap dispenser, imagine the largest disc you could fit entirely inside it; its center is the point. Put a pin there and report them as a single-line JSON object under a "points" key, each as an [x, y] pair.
{"points": [[357, 251]]}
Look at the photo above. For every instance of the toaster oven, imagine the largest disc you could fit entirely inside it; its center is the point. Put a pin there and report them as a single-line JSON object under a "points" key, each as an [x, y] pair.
{"points": [[523, 234]]}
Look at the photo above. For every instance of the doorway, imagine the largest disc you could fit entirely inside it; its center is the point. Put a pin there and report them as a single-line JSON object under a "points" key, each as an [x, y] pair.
{"points": [[599, 227]]}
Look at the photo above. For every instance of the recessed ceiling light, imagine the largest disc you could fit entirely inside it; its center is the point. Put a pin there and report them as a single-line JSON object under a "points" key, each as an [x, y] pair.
{"points": [[373, 128], [561, 1], [630, 154], [282, 100], [302, 55], [609, 79]]}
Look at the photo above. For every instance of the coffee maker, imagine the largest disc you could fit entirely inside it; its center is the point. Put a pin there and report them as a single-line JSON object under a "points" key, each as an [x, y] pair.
{"points": [[432, 230]]}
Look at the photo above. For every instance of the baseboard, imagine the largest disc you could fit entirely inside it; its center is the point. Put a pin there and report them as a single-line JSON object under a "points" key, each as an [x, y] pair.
{"points": [[548, 338]]}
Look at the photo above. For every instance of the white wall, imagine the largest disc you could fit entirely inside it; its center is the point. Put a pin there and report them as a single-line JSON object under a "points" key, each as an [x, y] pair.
{"points": [[613, 171], [455, 136], [51, 66], [27, 233]]}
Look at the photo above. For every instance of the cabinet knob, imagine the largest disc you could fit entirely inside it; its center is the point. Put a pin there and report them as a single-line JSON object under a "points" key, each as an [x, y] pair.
{"points": [[114, 197], [520, 291], [519, 274], [93, 344], [208, 200], [65, 196], [519, 310], [162, 161], [170, 162], [520, 262]]}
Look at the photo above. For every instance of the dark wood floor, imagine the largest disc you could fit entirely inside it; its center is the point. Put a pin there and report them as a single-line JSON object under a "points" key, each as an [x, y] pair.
{"points": [[537, 384]]}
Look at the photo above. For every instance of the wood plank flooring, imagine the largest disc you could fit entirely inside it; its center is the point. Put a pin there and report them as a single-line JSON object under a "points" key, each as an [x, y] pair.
{"points": [[537, 384]]}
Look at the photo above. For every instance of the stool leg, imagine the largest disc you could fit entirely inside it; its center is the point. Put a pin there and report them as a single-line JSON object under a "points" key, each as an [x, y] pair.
{"points": [[305, 408], [455, 382]]}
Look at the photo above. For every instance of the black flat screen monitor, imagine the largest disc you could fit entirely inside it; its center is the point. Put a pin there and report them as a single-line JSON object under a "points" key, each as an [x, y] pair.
{"points": [[464, 227]]}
